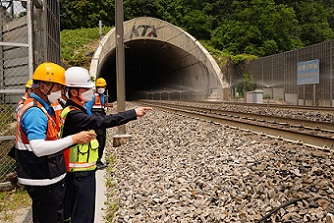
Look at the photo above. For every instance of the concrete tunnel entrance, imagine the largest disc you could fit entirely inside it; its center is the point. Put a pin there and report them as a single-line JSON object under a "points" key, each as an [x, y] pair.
{"points": [[153, 71], [161, 62]]}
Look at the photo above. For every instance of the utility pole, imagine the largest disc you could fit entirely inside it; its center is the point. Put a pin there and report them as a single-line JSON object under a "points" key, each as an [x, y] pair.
{"points": [[100, 29], [121, 137]]}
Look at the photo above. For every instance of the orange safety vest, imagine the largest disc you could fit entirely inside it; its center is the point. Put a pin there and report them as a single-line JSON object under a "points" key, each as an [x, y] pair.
{"points": [[57, 109], [97, 107], [33, 170], [21, 137], [19, 105]]}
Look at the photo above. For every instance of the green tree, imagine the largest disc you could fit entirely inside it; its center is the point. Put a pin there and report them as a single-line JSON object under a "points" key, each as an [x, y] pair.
{"points": [[313, 23], [258, 27], [206, 14], [197, 23], [133, 9], [316, 19], [329, 6], [86, 13], [168, 10], [171, 11]]}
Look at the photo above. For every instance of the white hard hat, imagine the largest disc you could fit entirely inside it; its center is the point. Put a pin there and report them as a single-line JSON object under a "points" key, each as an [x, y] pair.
{"points": [[78, 77]]}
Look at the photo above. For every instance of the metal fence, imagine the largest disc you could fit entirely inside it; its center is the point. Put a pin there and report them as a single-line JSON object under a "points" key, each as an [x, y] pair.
{"points": [[29, 35], [276, 75]]}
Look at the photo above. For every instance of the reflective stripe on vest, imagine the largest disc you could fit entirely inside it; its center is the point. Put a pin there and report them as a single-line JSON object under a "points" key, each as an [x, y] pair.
{"points": [[81, 165], [33, 170], [97, 102], [57, 109], [43, 182], [80, 157], [22, 142]]}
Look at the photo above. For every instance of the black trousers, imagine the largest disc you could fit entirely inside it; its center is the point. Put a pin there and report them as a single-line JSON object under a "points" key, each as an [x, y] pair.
{"points": [[79, 201], [46, 202], [101, 135]]}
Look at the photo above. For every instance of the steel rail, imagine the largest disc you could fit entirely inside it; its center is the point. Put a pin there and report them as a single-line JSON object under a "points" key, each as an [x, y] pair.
{"points": [[288, 134], [293, 122], [270, 105]]}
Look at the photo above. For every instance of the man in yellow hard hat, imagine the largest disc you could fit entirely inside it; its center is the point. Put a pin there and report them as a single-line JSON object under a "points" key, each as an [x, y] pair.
{"points": [[28, 88], [39, 153], [98, 106], [26, 94], [29, 84]]}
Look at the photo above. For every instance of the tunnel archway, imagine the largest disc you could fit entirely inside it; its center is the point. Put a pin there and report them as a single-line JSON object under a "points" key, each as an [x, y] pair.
{"points": [[161, 62]]}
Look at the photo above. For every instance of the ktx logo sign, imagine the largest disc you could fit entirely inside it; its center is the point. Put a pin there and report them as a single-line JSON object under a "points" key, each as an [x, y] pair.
{"points": [[144, 30]]}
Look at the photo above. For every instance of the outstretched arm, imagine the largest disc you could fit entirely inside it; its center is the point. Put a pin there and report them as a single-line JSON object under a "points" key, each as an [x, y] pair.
{"points": [[47, 147]]}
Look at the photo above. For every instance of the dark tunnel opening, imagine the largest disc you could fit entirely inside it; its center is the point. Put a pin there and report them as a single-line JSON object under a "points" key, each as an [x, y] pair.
{"points": [[150, 66]]}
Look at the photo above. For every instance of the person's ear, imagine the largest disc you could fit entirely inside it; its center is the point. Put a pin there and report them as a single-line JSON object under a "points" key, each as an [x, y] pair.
{"points": [[74, 92]]}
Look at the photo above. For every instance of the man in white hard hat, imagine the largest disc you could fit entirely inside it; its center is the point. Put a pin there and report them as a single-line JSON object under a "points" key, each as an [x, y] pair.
{"points": [[79, 202], [39, 153]]}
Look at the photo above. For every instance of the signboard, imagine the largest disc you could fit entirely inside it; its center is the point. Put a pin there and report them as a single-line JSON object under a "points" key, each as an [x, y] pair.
{"points": [[308, 72]]}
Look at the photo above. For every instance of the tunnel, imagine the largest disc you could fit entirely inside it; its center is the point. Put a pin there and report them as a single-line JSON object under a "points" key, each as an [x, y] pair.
{"points": [[162, 62]]}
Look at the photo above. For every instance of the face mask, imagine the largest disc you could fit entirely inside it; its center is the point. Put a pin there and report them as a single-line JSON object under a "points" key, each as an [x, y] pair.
{"points": [[54, 96], [100, 90], [87, 95]]}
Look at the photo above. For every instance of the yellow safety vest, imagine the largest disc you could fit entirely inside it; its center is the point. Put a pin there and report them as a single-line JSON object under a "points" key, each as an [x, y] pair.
{"points": [[80, 157]]}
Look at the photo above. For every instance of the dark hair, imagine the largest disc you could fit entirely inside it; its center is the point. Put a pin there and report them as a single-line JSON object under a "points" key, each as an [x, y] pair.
{"points": [[69, 91]]}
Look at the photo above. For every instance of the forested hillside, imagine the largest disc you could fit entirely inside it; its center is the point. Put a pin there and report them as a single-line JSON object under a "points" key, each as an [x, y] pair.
{"points": [[256, 27]]}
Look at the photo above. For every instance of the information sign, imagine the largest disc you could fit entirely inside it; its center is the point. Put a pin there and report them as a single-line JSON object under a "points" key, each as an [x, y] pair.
{"points": [[308, 72]]}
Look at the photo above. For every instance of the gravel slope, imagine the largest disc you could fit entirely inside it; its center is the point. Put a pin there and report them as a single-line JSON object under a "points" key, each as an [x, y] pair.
{"points": [[176, 169]]}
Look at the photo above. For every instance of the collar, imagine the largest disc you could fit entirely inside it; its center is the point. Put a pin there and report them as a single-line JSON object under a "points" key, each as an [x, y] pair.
{"points": [[62, 102], [44, 104], [69, 102]]}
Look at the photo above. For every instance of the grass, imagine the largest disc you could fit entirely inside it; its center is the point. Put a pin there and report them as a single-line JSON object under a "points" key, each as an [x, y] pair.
{"points": [[78, 45], [7, 112], [11, 202], [112, 203]]}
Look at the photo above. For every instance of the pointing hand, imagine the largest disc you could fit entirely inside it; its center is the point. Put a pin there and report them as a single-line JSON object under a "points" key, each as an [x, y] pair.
{"points": [[141, 111]]}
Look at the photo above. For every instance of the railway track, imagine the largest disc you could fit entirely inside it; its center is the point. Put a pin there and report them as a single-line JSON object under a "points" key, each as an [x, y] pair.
{"points": [[183, 167], [273, 105], [307, 132]]}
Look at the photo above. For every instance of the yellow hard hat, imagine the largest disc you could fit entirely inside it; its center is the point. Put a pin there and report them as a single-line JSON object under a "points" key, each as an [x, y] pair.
{"points": [[100, 82], [29, 83], [50, 72]]}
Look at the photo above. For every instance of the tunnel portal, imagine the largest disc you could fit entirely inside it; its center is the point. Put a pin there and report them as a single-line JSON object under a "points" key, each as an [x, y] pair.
{"points": [[161, 62]]}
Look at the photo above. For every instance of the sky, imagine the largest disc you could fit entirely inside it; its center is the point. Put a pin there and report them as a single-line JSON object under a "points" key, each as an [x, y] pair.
{"points": [[17, 6]]}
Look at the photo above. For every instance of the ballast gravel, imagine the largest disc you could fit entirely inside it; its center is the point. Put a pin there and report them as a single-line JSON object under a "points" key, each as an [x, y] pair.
{"points": [[178, 169]]}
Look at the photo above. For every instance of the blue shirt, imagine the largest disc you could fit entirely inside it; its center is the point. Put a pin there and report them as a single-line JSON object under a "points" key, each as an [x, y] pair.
{"points": [[34, 122], [89, 104]]}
